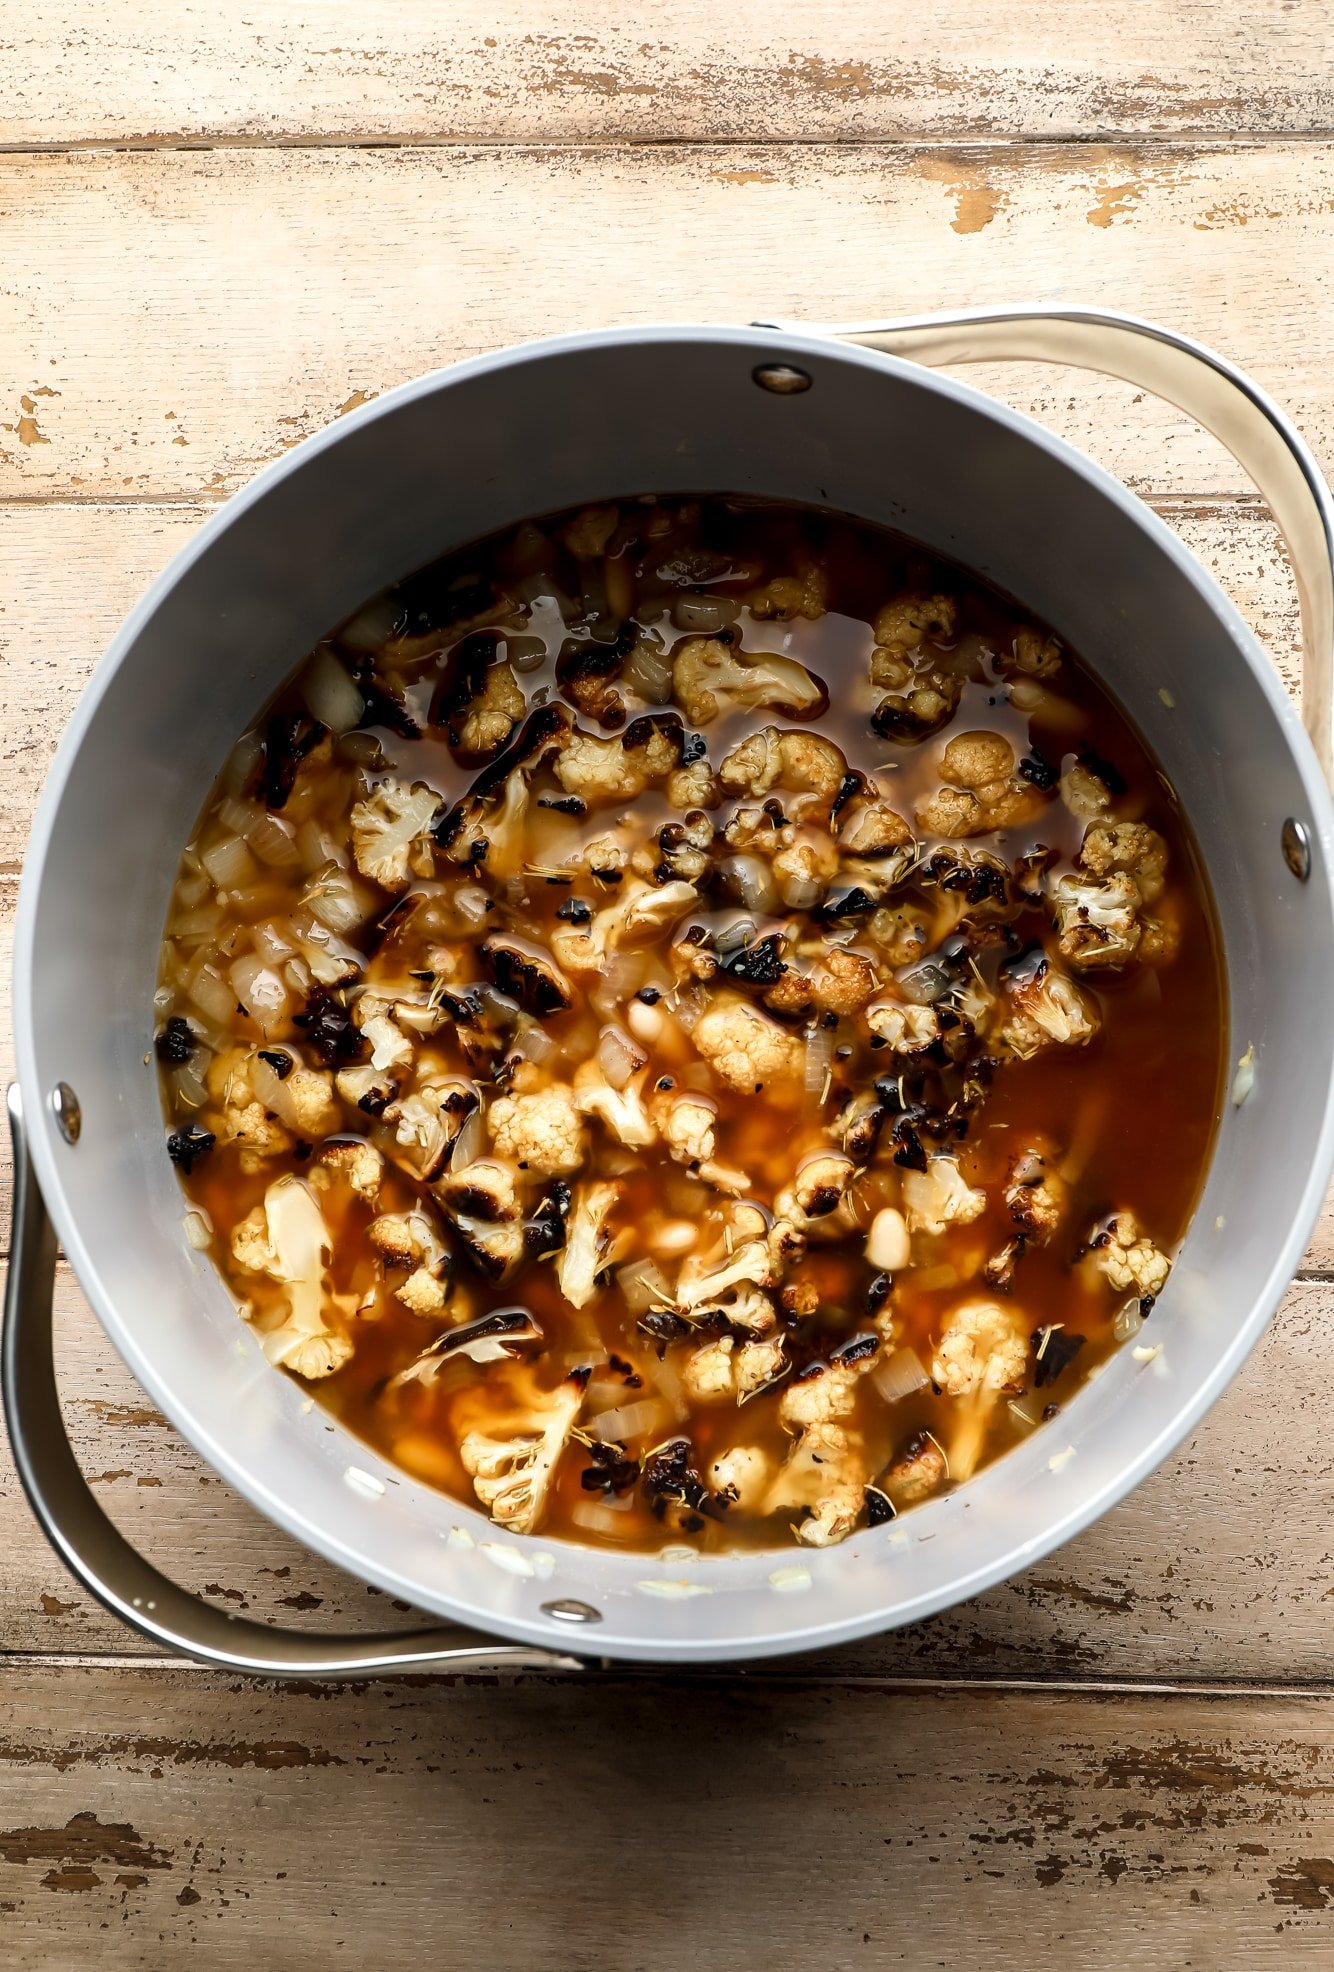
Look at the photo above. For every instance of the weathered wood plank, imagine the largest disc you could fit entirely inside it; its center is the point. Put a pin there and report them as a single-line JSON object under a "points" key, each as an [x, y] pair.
{"points": [[794, 69], [1221, 1567], [253, 293], [649, 1822]]}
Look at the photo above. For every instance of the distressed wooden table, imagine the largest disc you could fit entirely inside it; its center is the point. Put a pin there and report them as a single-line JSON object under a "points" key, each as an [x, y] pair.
{"points": [[221, 227]]}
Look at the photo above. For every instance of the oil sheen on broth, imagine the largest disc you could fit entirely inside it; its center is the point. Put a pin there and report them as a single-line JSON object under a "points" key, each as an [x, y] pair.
{"points": [[691, 1020]]}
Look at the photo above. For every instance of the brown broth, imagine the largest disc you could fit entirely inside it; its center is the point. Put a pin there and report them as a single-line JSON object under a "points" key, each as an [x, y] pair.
{"points": [[1127, 1121]]}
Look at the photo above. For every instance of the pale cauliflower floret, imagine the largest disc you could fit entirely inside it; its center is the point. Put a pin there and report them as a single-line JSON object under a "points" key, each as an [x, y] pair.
{"points": [[984, 792], [587, 1241], [842, 981], [1084, 793], [1046, 1009], [1036, 654], [1132, 848], [825, 1392], [694, 786], [904, 1029], [493, 714], [384, 828], [873, 828], [250, 1243], [939, 1197], [705, 668], [408, 1240], [977, 760], [542, 1133], [601, 771], [688, 1125], [707, 1283], [722, 1369], [1129, 1259], [373, 1016], [786, 596], [260, 1135], [803, 865], [982, 1348], [427, 1124], [825, 1473], [746, 1050], [741, 1477], [642, 910], [800, 763], [1097, 920], [512, 1466], [358, 1164], [295, 1241], [621, 1110]]}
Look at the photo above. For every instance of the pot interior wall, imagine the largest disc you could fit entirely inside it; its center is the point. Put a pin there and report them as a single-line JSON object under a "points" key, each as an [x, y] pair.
{"points": [[453, 458]]}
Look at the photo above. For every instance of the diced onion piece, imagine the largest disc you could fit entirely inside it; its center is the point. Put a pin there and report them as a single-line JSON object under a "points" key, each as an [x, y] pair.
{"points": [[471, 902], [242, 763], [618, 1056], [212, 994], [888, 1245], [643, 1283], [819, 1060], [273, 840], [191, 890], [648, 672], [260, 989], [273, 941], [188, 1086], [800, 893], [229, 863], [900, 1375], [626, 1421], [667, 1377], [534, 1043], [198, 1231], [330, 695], [335, 900], [372, 626], [470, 1143], [601, 1516], [236, 815], [270, 1090], [205, 921], [1128, 1321], [750, 880], [702, 616], [315, 846]]}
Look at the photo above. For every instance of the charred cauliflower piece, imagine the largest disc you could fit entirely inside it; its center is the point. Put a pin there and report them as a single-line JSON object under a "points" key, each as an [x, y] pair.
{"points": [[920, 1469], [741, 1477], [287, 1239], [904, 623], [902, 1028], [427, 1124], [622, 1111], [1097, 920], [872, 828], [513, 1464], [542, 1133], [482, 1205], [1128, 1258], [708, 1283], [389, 830], [409, 1243], [1043, 1008], [745, 1050], [983, 1348], [1130, 849], [706, 669], [692, 786], [490, 703], [787, 596], [358, 1165], [939, 1197], [1036, 1196], [825, 1473], [587, 1242]]}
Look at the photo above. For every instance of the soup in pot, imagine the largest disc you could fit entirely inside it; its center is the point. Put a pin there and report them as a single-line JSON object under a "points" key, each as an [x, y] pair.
{"points": [[692, 1020]]}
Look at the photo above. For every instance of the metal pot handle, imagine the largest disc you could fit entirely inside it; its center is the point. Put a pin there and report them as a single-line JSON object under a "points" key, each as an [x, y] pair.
{"points": [[1219, 396], [103, 1560]]}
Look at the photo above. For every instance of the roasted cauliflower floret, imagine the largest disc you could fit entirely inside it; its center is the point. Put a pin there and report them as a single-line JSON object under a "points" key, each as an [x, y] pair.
{"points": [[1043, 1008], [587, 1241], [799, 763], [745, 1050], [723, 1370], [903, 623], [367, 1088], [842, 981], [1084, 793], [983, 1348], [491, 715], [386, 829], [641, 911], [706, 668], [939, 1197], [408, 1242], [903, 1028], [741, 1477], [602, 771], [390, 1047], [912, 715], [512, 1465], [827, 1391], [356, 1164], [1036, 655], [1127, 848], [427, 1124], [542, 1133], [622, 1111], [1097, 920], [484, 1208], [825, 1473], [786, 596], [872, 828], [983, 790], [1037, 1197], [291, 1249], [1128, 1258], [920, 1468], [819, 1188], [693, 786], [708, 1282]]}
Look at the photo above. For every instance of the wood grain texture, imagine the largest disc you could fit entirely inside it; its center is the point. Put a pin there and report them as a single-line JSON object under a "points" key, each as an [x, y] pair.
{"points": [[792, 70], [532, 1825], [175, 319]]}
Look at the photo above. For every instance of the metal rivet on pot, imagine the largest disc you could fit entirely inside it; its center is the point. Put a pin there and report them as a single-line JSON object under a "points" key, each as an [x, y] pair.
{"points": [[784, 379], [65, 1109], [570, 1611], [1296, 841]]}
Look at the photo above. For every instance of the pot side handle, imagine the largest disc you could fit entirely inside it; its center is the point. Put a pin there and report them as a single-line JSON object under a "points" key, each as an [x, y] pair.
{"points": [[102, 1559], [1256, 431]]}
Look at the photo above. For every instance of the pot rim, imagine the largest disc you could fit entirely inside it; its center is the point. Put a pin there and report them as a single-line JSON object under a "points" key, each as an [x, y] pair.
{"points": [[1088, 1502]]}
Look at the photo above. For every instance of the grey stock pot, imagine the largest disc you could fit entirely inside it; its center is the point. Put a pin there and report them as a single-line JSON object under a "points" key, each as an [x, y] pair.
{"points": [[850, 419]]}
